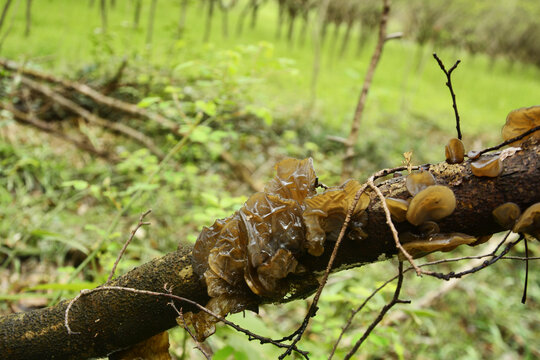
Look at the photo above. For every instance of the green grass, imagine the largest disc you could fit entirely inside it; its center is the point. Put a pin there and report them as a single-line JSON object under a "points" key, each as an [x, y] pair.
{"points": [[408, 107], [408, 85]]}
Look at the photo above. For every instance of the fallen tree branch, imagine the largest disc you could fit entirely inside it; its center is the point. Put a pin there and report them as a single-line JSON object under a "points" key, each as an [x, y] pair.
{"points": [[32, 120], [92, 118], [110, 320], [92, 94]]}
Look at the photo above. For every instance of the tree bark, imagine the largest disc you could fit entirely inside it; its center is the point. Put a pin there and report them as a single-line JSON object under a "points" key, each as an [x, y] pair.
{"points": [[112, 320]]}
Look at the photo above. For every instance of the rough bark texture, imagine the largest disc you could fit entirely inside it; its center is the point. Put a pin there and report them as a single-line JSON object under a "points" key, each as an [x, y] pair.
{"points": [[110, 320]]}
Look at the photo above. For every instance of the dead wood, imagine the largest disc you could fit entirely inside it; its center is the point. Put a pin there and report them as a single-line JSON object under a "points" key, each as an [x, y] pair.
{"points": [[93, 94], [111, 320]]}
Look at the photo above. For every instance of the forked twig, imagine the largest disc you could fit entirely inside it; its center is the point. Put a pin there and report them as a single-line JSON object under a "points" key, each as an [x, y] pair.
{"points": [[395, 300], [449, 84], [123, 250], [492, 254]]}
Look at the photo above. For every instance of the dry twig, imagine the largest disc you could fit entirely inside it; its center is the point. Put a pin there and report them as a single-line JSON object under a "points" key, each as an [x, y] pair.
{"points": [[346, 171], [449, 84], [123, 250], [92, 94]]}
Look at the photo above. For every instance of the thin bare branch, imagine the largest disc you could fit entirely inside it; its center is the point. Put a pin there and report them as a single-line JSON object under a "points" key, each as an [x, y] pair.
{"points": [[449, 84], [123, 250], [507, 142], [32, 120], [346, 171], [395, 300], [92, 118], [92, 94]]}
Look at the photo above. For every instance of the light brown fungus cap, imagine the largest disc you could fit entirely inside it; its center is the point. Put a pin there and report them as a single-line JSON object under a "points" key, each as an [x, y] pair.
{"points": [[487, 166], [520, 121], [398, 208], [325, 213], [418, 181], [433, 203], [455, 151], [437, 242], [506, 214], [529, 222]]}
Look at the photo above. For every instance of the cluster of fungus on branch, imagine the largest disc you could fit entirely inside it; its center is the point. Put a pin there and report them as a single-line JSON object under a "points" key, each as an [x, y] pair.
{"points": [[430, 202], [251, 253]]}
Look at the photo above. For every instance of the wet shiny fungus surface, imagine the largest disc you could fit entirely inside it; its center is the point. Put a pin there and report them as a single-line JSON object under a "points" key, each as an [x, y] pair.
{"points": [[454, 151], [251, 252], [519, 121]]}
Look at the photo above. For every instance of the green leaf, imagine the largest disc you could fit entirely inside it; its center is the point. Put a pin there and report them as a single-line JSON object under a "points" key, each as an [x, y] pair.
{"points": [[40, 233], [208, 107], [76, 184], [146, 102], [223, 353]]}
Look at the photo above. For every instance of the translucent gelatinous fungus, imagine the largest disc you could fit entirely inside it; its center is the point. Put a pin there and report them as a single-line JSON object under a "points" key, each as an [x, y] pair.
{"points": [[487, 166], [455, 151], [433, 203], [398, 208], [422, 246], [252, 251], [295, 179], [529, 222], [418, 181], [520, 121], [326, 212], [506, 215]]}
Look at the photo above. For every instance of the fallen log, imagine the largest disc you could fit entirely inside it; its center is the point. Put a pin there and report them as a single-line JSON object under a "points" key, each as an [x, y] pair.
{"points": [[109, 321]]}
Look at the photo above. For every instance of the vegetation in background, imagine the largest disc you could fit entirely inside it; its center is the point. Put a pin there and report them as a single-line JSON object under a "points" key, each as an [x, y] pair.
{"points": [[251, 94]]}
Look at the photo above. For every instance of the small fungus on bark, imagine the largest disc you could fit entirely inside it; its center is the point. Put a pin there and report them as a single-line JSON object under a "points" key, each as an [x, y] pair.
{"points": [[418, 246], [433, 203], [506, 214], [326, 212], [487, 166], [455, 151], [398, 208], [529, 222], [418, 181], [520, 121], [429, 228]]}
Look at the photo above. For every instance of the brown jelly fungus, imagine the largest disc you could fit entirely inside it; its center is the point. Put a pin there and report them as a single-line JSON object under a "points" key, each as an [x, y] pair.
{"points": [[433, 203], [418, 181], [250, 253], [529, 222], [422, 246], [506, 214], [520, 121], [487, 166], [398, 208], [455, 151]]}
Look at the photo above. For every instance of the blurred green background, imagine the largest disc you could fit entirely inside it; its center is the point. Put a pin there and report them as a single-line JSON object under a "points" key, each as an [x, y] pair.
{"points": [[251, 94]]}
